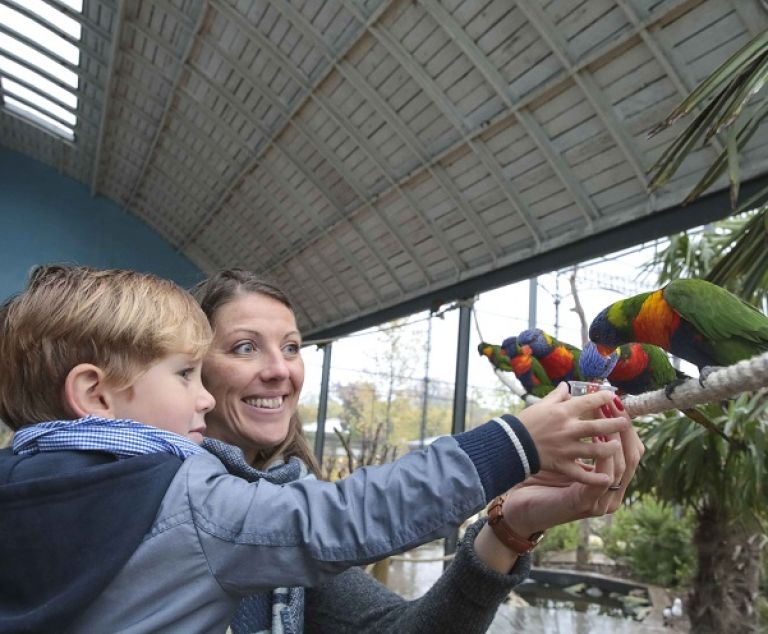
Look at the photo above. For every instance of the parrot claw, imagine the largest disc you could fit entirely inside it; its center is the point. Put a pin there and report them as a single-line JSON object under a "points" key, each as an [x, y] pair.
{"points": [[669, 389], [705, 372]]}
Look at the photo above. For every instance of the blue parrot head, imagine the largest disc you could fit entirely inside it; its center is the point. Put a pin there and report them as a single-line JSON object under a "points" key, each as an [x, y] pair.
{"points": [[509, 345], [594, 365], [602, 331], [538, 340]]}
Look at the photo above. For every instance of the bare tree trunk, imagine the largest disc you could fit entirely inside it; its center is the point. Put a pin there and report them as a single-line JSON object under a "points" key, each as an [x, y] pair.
{"points": [[345, 442], [726, 584], [578, 308]]}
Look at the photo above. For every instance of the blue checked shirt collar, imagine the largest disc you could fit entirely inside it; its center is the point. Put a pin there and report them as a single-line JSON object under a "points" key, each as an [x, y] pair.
{"points": [[121, 437]]}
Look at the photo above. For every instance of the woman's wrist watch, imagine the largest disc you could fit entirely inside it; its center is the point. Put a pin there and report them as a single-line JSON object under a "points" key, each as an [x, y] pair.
{"points": [[504, 532]]}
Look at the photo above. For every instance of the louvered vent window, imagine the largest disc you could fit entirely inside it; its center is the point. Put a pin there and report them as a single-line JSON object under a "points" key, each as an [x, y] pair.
{"points": [[39, 59]]}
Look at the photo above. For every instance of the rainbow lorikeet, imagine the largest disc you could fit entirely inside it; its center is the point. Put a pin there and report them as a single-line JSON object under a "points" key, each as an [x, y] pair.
{"points": [[559, 360], [642, 367], [639, 367], [693, 319], [525, 367]]}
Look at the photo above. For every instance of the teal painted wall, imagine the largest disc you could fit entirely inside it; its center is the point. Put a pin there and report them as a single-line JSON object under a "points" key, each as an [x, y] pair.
{"points": [[47, 217]]}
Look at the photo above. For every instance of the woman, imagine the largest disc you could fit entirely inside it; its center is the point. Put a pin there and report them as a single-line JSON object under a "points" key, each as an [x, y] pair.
{"points": [[255, 372]]}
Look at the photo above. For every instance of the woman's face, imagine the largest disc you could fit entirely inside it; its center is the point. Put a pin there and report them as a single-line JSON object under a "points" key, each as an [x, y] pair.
{"points": [[255, 372]]}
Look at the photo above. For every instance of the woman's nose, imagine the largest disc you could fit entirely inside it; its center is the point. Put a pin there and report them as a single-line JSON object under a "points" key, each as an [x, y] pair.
{"points": [[274, 367]]}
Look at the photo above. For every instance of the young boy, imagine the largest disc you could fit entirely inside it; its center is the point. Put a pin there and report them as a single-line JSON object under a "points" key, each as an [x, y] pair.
{"points": [[112, 524]]}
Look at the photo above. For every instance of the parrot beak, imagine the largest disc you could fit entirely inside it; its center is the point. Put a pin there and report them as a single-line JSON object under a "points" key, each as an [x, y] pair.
{"points": [[606, 351]]}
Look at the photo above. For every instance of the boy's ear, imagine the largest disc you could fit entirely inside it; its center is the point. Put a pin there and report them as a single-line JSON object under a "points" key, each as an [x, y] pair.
{"points": [[86, 392]]}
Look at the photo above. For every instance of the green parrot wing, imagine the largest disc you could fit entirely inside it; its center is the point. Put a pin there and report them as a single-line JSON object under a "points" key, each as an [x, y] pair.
{"points": [[717, 313], [538, 371], [662, 370]]}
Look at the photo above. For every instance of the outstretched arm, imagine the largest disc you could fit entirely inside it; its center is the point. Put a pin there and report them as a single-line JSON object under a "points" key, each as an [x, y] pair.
{"points": [[468, 594]]}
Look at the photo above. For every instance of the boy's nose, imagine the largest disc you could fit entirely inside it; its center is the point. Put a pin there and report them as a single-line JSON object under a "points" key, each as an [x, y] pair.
{"points": [[206, 401]]}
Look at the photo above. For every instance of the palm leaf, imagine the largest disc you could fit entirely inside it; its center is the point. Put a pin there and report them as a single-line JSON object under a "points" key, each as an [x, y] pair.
{"points": [[675, 154], [718, 167], [724, 74], [740, 90]]}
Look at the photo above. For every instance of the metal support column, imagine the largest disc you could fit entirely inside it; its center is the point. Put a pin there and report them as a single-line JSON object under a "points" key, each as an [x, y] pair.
{"points": [[322, 405], [533, 289], [460, 394]]}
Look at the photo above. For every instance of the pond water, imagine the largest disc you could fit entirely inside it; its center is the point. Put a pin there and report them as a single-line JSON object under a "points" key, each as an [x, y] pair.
{"points": [[552, 609]]}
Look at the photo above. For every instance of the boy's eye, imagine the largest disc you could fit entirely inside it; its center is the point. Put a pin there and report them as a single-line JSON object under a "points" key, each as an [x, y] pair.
{"points": [[243, 348], [186, 373]]}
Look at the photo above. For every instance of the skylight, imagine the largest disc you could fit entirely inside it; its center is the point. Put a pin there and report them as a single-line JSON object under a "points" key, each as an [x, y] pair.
{"points": [[39, 57]]}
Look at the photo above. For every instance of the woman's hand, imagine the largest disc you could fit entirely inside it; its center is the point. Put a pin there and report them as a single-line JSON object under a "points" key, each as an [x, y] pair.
{"points": [[549, 498], [559, 423]]}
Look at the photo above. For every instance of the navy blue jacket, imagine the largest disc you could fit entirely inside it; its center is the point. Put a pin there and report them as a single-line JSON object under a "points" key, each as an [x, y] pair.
{"points": [[69, 521]]}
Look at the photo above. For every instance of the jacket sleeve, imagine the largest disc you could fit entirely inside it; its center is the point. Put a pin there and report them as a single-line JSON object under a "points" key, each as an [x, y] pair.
{"points": [[464, 599], [259, 535]]}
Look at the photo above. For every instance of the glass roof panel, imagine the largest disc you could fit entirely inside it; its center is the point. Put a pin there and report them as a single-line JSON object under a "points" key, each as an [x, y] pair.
{"points": [[9, 67], [13, 88], [39, 118], [43, 36], [34, 75]]}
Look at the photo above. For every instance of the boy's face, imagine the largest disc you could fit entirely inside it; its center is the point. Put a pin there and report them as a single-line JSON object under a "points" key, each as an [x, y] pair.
{"points": [[170, 396]]}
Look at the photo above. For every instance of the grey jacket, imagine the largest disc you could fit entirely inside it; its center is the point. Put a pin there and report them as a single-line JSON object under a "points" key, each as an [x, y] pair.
{"points": [[217, 537]]}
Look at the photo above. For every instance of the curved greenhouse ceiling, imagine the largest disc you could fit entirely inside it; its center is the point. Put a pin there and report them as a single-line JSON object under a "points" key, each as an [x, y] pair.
{"points": [[373, 156]]}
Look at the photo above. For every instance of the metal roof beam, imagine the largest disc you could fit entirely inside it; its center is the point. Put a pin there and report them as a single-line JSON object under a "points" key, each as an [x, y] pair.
{"points": [[664, 56], [272, 142], [708, 208], [295, 248], [309, 31], [171, 95], [111, 71], [616, 44], [438, 96], [290, 248], [230, 190], [328, 108], [589, 88]]}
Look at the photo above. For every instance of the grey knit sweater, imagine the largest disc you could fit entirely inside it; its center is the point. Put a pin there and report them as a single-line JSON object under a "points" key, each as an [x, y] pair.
{"points": [[463, 600]]}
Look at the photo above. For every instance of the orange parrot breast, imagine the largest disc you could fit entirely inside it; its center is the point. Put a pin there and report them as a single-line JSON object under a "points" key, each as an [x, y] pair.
{"points": [[656, 321]]}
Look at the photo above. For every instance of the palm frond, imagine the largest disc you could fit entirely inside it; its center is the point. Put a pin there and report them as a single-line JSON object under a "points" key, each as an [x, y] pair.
{"points": [[742, 137], [724, 75]]}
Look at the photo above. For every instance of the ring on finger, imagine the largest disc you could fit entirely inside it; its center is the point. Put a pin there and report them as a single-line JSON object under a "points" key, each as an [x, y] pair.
{"points": [[615, 487]]}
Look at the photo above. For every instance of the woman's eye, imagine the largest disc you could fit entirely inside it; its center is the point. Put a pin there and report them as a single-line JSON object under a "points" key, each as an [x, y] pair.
{"points": [[243, 348], [292, 348]]}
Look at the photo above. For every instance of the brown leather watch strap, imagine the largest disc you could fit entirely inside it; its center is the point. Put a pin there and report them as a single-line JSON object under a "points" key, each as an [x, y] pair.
{"points": [[504, 532]]}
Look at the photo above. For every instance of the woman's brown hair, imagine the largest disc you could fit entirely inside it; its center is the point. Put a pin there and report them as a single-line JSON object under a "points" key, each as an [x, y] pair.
{"points": [[225, 286]]}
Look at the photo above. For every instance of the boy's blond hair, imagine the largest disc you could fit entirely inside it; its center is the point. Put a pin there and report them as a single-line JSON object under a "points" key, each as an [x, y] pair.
{"points": [[121, 321]]}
